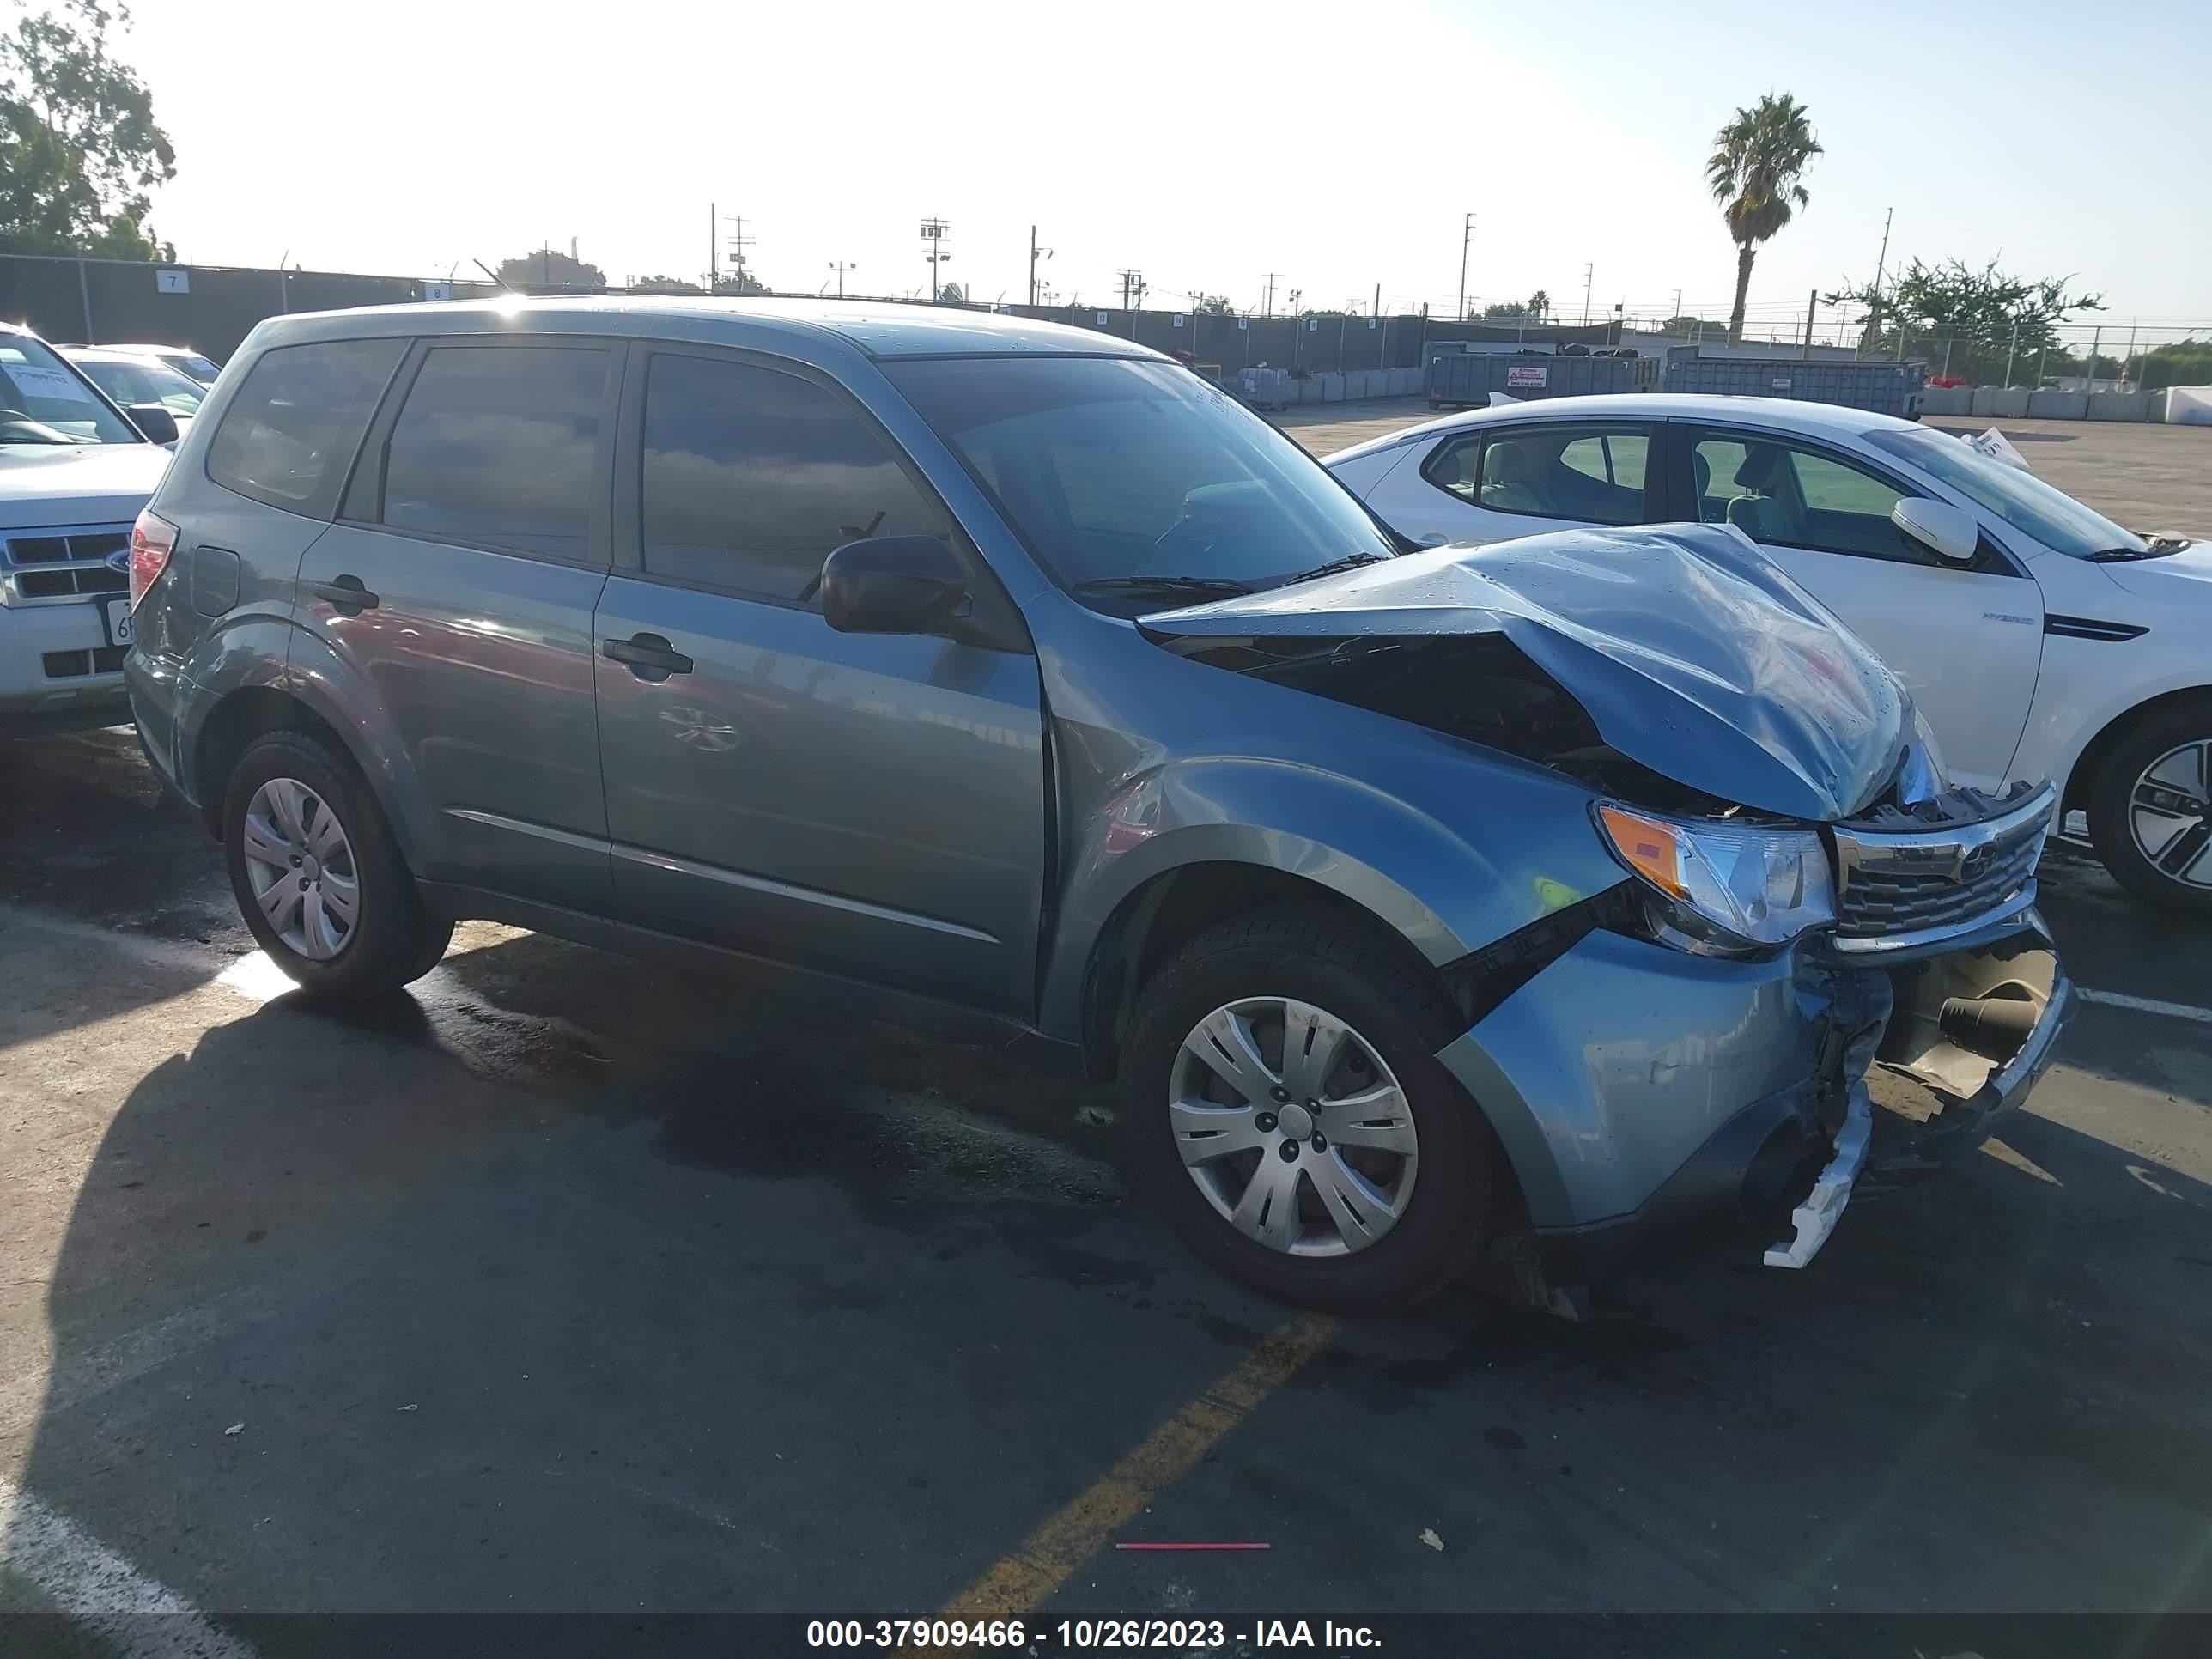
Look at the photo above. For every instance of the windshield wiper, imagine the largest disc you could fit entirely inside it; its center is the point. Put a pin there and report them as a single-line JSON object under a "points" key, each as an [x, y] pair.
{"points": [[1222, 585], [1334, 567]]}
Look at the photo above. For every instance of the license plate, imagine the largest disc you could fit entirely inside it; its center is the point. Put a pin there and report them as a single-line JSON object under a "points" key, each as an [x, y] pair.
{"points": [[118, 622]]}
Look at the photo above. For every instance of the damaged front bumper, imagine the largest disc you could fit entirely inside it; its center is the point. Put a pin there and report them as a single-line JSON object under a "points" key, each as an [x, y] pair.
{"points": [[1969, 1034], [1641, 1093]]}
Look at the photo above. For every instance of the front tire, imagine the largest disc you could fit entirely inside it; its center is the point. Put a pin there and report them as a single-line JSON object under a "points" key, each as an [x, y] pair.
{"points": [[1286, 1112], [316, 874], [2150, 810]]}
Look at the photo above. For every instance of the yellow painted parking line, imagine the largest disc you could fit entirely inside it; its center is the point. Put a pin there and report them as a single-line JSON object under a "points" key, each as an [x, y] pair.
{"points": [[1051, 1553]]}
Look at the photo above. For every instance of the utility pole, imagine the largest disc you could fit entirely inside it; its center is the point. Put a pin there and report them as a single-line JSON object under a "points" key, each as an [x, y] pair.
{"points": [[841, 269], [1295, 329], [1267, 308], [1812, 308], [1466, 237], [2089, 384], [1035, 254], [1133, 282], [933, 232], [1873, 328], [735, 246], [1678, 304], [1590, 274], [713, 245], [2013, 351], [2129, 358]]}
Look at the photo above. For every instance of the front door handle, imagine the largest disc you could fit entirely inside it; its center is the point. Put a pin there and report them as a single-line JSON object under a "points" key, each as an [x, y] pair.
{"points": [[648, 656], [346, 594]]}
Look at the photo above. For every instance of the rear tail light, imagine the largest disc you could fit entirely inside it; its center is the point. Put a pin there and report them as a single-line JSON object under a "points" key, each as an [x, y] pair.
{"points": [[152, 540]]}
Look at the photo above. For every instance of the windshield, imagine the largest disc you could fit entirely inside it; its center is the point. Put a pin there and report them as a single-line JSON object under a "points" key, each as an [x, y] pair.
{"points": [[44, 401], [144, 383], [2020, 498], [1129, 479]]}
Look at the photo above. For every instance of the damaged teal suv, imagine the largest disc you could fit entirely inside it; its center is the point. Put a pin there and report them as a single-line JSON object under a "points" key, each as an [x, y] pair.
{"points": [[1433, 908]]}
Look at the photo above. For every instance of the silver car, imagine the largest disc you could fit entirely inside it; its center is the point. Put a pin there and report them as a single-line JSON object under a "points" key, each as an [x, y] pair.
{"points": [[1433, 908]]}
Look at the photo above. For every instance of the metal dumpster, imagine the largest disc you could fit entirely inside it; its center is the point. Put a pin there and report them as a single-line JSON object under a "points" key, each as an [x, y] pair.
{"points": [[1876, 385], [1464, 379]]}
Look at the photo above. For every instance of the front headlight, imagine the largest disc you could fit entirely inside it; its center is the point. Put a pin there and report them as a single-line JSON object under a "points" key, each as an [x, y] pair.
{"points": [[1751, 885]]}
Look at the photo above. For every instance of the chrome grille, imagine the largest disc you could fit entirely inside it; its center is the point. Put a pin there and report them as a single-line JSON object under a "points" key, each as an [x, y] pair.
{"points": [[1895, 888], [59, 567]]}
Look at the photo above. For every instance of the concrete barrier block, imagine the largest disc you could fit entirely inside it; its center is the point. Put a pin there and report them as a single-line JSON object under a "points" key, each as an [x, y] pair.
{"points": [[2119, 406], [2002, 402], [1405, 382], [1331, 388], [2058, 406], [1948, 400]]}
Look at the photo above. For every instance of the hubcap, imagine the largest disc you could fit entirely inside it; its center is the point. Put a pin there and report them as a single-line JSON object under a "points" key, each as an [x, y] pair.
{"points": [[2170, 813], [302, 869], [1292, 1126]]}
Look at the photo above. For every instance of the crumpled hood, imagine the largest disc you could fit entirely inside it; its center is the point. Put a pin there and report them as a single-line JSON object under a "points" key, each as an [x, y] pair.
{"points": [[1692, 652]]}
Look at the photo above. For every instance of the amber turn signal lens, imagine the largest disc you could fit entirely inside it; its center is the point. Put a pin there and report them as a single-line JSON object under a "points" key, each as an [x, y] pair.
{"points": [[1648, 845]]}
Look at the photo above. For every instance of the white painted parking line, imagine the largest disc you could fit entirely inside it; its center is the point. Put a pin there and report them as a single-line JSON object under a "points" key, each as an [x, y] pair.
{"points": [[89, 1582], [2149, 1006]]}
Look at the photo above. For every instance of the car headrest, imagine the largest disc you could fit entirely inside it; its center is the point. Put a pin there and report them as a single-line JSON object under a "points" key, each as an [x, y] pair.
{"points": [[1504, 463], [1760, 463]]}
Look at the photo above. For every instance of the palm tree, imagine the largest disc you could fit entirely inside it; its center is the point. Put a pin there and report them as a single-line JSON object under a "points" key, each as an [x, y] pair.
{"points": [[1757, 160]]}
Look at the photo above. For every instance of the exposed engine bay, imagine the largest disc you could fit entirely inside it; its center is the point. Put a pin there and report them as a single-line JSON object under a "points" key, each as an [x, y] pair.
{"points": [[1479, 687]]}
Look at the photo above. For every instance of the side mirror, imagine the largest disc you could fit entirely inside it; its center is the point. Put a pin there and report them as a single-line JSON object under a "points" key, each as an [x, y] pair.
{"points": [[156, 422], [1947, 532], [893, 585]]}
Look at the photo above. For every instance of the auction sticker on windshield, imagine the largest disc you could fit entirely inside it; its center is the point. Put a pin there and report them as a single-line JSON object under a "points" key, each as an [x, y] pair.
{"points": [[36, 381]]}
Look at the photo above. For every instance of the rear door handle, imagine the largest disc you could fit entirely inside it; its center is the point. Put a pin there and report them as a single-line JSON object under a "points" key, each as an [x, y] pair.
{"points": [[346, 594], [648, 656]]}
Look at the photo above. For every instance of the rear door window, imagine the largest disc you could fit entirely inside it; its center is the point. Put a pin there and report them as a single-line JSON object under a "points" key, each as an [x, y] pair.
{"points": [[496, 447], [289, 433], [1549, 470]]}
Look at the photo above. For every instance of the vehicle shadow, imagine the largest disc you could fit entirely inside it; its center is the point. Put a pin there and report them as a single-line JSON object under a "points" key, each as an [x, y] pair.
{"points": [[563, 1284]]}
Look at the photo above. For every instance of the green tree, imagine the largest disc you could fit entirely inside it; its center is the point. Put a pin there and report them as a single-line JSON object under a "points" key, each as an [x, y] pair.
{"points": [[664, 285], [1533, 309], [2185, 363], [1211, 305], [1970, 322], [550, 268], [79, 146], [1759, 159], [740, 282]]}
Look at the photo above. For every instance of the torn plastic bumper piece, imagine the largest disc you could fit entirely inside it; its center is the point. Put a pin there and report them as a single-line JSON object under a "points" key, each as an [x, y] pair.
{"points": [[1815, 1218], [1945, 1079]]}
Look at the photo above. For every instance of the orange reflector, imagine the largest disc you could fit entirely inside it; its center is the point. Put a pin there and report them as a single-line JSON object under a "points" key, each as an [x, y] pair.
{"points": [[1648, 845]]}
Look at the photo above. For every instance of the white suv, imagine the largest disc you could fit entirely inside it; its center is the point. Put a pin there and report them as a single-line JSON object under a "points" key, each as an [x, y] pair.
{"points": [[74, 472], [2039, 639]]}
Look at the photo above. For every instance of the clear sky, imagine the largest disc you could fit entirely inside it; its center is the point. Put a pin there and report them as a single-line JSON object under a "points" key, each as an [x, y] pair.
{"points": [[1205, 144]]}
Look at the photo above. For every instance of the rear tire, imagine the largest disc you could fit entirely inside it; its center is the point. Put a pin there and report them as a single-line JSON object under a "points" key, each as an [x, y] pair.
{"points": [[1388, 1238], [2150, 810], [317, 876]]}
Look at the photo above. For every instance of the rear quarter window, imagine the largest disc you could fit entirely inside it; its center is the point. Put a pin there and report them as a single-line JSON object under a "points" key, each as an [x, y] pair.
{"points": [[290, 431]]}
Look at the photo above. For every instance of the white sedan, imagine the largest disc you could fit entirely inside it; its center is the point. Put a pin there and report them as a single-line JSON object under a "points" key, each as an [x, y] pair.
{"points": [[2039, 639]]}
